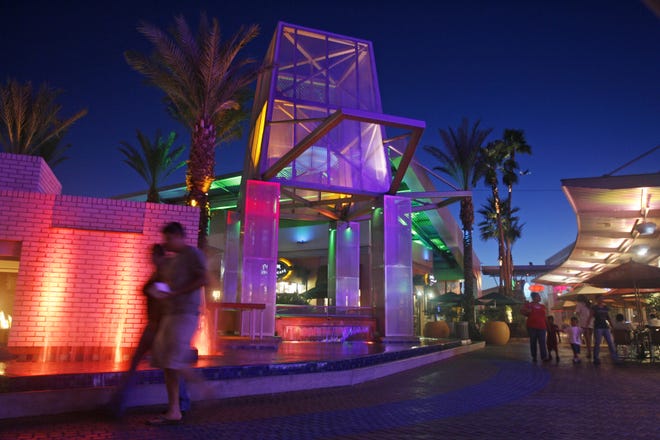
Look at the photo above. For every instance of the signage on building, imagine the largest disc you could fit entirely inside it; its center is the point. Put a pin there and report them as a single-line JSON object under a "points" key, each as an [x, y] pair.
{"points": [[284, 269]]}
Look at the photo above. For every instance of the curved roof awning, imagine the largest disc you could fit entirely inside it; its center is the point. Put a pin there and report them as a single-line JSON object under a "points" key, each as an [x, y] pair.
{"points": [[610, 211]]}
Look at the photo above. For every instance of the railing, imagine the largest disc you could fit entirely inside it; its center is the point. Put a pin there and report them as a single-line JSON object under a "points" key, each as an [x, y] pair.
{"points": [[328, 311]]}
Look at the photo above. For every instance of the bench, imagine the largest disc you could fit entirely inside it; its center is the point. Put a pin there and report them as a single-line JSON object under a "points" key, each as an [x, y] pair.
{"points": [[255, 311]]}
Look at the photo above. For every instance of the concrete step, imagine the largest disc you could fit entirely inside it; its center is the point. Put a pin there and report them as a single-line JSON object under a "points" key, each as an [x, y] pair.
{"points": [[64, 393]]}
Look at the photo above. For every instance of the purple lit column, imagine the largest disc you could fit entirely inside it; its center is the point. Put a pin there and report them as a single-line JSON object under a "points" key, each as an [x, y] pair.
{"points": [[391, 255], [344, 264], [260, 231], [230, 262]]}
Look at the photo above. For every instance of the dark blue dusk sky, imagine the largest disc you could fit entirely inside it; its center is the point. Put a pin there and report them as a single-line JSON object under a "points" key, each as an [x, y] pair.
{"points": [[581, 78]]}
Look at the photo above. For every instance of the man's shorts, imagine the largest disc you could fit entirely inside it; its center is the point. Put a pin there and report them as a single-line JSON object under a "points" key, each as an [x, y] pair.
{"points": [[172, 345]]}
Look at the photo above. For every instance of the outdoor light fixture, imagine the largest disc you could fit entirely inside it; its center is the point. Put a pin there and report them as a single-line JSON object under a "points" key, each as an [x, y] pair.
{"points": [[646, 228], [640, 250]]}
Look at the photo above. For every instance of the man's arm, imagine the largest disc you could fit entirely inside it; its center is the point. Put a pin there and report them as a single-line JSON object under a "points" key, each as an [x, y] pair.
{"points": [[609, 321]]}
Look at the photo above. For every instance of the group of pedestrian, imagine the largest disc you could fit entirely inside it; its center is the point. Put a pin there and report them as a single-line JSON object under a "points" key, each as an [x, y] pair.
{"points": [[595, 322], [590, 321], [173, 294]]}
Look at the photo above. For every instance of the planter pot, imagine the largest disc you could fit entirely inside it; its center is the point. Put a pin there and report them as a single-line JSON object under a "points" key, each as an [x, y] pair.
{"points": [[436, 329], [496, 333], [462, 330], [452, 328]]}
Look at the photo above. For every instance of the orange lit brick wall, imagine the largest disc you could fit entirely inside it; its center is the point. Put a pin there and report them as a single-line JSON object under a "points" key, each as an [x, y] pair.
{"points": [[83, 262]]}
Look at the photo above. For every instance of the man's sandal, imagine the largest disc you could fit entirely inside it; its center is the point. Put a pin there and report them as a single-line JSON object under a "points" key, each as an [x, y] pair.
{"points": [[163, 421]]}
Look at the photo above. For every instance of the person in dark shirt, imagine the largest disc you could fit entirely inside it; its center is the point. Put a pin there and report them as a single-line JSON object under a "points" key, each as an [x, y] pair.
{"points": [[554, 338], [602, 323]]}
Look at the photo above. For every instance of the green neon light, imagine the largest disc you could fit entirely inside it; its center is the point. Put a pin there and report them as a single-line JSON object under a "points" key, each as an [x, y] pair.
{"points": [[224, 206]]}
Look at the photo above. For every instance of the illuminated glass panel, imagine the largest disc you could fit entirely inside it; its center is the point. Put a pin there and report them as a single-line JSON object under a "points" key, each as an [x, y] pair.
{"points": [[397, 257], [259, 248], [315, 74]]}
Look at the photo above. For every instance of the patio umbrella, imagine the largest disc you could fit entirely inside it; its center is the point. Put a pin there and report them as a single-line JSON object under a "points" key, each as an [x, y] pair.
{"points": [[564, 306], [583, 289], [630, 275], [497, 299], [449, 298]]}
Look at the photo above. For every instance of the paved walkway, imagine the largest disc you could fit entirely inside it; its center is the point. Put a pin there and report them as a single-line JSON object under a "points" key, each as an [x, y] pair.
{"points": [[491, 393]]}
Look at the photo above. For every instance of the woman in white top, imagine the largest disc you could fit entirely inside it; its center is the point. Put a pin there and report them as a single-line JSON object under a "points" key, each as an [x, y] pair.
{"points": [[586, 322]]}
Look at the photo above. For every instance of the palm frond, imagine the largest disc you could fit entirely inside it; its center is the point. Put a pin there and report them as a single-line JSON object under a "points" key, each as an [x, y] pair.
{"points": [[511, 225], [153, 161], [459, 156], [199, 75], [186, 40], [30, 122]]}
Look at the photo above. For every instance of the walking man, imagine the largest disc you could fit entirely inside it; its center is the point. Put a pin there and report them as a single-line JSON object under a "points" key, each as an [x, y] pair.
{"points": [[185, 275]]}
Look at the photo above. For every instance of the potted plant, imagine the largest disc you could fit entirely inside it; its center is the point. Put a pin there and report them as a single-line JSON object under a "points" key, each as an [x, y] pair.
{"points": [[495, 330], [441, 328]]}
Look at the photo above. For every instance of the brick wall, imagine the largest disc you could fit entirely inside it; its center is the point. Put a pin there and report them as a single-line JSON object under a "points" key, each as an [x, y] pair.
{"points": [[82, 265], [27, 173]]}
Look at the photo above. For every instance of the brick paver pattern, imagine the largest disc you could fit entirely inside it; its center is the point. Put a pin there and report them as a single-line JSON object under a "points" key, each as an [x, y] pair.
{"points": [[492, 393]]}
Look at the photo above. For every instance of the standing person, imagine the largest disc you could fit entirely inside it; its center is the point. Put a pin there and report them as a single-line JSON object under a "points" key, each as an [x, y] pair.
{"points": [[553, 337], [575, 339], [154, 298], [601, 315], [185, 273], [583, 311], [536, 325]]}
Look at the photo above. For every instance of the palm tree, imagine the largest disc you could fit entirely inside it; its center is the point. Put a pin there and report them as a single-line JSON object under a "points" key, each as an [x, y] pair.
{"points": [[459, 160], [30, 123], [205, 86], [490, 161], [154, 162], [499, 157], [511, 225], [514, 142]]}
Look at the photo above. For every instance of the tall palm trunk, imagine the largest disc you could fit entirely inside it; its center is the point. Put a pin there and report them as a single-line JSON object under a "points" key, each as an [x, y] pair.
{"points": [[513, 143], [201, 172], [508, 255], [153, 196], [467, 219], [501, 244]]}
